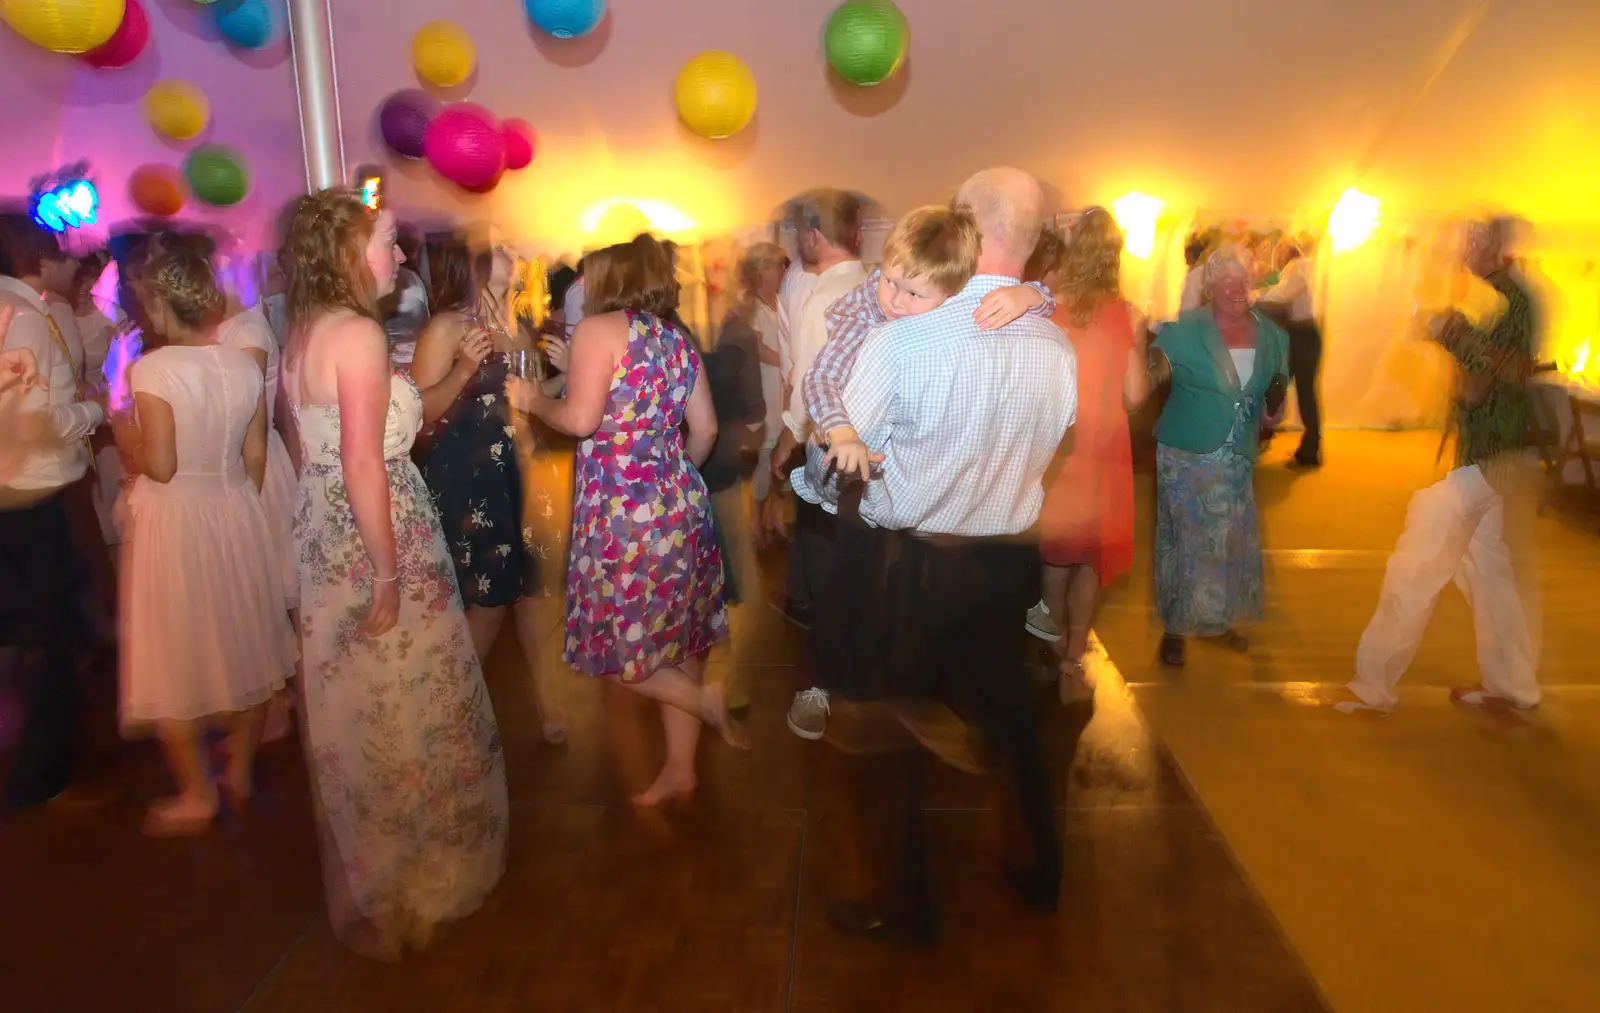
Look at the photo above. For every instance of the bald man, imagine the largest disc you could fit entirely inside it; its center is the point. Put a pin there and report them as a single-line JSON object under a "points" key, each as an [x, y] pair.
{"points": [[930, 590]]}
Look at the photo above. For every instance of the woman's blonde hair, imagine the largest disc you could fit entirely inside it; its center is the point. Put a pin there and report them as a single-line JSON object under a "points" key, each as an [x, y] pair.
{"points": [[936, 242], [1091, 265], [180, 277], [637, 276], [756, 259], [326, 259], [1224, 256]]}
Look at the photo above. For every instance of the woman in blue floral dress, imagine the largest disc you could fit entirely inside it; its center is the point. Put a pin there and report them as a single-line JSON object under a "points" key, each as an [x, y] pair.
{"points": [[644, 575], [1227, 366]]}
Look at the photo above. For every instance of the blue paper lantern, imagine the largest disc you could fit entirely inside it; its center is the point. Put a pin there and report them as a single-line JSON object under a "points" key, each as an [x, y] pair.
{"points": [[566, 19], [244, 23]]}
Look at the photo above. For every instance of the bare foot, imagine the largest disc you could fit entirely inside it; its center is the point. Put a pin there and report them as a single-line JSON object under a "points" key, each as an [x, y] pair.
{"points": [[179, 816], [239, 786], [714, 712], [667, 788]]}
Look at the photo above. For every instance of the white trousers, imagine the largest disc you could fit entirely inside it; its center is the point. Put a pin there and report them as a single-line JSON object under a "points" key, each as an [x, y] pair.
{"points": [[1455, 530]]}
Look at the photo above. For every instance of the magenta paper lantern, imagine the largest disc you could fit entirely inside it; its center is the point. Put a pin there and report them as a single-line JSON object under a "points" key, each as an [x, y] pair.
{"points": [[403, 120], [467, 145], [127, 42], [519, 144]]}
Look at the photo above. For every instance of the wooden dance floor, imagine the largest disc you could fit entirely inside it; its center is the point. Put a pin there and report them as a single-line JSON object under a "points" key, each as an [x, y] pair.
{"points": [[1226, 848]]}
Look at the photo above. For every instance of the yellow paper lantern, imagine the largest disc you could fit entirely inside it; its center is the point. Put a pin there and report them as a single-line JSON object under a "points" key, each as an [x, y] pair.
{"points": [[443, 54], [176, 109], [716, 94], [64, 26]]}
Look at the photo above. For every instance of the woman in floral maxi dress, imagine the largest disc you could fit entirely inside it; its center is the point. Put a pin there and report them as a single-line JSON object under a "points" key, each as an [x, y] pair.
{"points": [[408, 776], [644, 574]]}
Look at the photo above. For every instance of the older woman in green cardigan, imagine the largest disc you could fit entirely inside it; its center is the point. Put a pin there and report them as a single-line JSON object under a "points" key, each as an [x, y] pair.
{"points": [[1227, 366]]}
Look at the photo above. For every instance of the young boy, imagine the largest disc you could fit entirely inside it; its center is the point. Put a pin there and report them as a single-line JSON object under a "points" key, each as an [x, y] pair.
{"points": [[929, 257]]}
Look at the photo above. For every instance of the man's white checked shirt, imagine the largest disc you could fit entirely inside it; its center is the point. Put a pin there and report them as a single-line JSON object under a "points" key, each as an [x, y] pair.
{"points": [[968, 420]]}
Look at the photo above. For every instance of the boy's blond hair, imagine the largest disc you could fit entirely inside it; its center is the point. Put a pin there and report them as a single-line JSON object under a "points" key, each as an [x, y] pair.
{"points": [[938, 243]]}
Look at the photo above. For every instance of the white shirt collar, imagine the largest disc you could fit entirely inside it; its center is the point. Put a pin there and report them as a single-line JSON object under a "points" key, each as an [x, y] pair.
{"points": [[23, 290]]}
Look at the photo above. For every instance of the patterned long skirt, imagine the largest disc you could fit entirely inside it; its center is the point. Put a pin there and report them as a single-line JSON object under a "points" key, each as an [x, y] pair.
{"points": [[1207, 544]]}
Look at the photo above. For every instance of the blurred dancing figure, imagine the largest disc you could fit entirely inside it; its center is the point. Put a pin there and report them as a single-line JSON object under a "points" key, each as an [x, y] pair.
{"points": [[1086, 524], [931, 586], [406, 765], [1456, 528], [1227, 366], [644, 573], [206, 636], [1290, 302], [40, 579], [470, 459]]}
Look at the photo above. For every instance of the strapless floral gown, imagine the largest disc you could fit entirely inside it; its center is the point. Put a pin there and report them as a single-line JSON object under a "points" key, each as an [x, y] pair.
{"points": [[408, 776]]}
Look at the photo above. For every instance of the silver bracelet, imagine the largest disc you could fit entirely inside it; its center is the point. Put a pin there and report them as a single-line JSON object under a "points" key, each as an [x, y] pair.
{"points": [[385, 580]]}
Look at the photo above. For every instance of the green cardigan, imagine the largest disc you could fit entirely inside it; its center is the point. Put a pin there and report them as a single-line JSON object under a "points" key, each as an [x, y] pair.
{"points": [[1200, 410]]}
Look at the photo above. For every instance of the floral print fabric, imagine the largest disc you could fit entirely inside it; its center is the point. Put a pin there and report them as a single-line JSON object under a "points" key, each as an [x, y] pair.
{"points": [[405, 757], [471, 466], [644, 574], [1207, 543]]}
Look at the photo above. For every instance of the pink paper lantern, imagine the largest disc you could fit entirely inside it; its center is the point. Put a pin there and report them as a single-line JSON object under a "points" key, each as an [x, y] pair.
{"points": [[519, 144], [126, 43], [466, 144]]}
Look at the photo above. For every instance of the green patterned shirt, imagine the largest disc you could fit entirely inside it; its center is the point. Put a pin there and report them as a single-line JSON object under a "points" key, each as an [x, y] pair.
{"points": [[1504, 350]]}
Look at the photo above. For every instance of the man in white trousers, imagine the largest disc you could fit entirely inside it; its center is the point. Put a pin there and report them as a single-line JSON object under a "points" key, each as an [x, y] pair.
{"points": [[1456, 528]]}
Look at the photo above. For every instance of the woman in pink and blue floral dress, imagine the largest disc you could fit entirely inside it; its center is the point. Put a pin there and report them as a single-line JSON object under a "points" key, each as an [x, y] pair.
{"points": [[644, 575], [407, 771]]}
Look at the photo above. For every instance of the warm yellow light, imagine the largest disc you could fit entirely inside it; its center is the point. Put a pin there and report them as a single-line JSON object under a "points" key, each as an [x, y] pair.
{"points": [[659, 215], [1352, 219], [1136, 215]]}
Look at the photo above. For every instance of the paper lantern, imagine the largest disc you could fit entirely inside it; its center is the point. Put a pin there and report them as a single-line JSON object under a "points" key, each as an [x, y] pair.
{"points": [[64, 26], [866, 40], [519, 144], [467, 145], [127, 42], [716, 94], [443, 54], [403, 121], [216, 175], [244, 23], [566, 19], [156, 190], [176, 109]]}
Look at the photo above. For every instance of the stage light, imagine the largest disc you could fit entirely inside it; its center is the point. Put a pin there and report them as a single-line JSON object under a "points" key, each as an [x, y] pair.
{"points": [[70, 205], [1352, 219], [1137, 214], [660, 216]]}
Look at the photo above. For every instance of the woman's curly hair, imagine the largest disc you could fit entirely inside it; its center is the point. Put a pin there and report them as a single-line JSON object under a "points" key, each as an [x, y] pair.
{"points": [[325, 256], [1091, 265]]}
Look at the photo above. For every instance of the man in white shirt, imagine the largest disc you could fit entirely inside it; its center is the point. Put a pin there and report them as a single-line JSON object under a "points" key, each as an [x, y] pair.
{"points": [[1291, 303], [933, 585], [828, 224], [39, 578]]}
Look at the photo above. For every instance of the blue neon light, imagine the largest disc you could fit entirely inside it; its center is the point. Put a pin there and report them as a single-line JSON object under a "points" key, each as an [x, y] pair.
{"points": [[68, 206]]}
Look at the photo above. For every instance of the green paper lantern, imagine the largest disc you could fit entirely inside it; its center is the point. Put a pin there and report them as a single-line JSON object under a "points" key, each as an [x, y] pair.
{"points": [[216, 175], [866, 41]]}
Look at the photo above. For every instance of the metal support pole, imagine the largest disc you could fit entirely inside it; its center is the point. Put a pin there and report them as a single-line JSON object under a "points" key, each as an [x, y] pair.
{"points": [[316, 81]]}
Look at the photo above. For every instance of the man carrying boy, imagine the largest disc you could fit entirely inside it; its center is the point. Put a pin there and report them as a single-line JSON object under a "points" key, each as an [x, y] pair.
{"points": [[929, 257]]}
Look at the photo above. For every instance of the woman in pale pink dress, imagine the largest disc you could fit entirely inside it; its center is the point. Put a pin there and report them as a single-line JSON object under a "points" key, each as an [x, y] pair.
{"points": [[206, 637]]}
